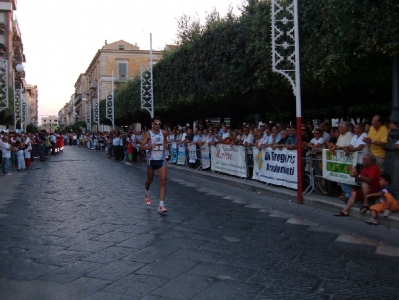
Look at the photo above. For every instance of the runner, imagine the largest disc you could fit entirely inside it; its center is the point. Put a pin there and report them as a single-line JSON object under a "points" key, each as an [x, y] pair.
{"points": [[154, 142]]}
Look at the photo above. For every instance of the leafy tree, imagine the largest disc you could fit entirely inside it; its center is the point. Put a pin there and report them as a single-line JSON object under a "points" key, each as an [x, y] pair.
{"points": [[223, 68], [7, 115], [31, 128]]}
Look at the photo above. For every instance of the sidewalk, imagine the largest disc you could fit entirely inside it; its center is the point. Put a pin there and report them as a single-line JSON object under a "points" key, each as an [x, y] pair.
{"points": [[327, 203]]}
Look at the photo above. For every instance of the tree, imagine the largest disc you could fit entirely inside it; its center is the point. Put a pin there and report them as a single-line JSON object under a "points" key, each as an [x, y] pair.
{"points": [[7, 115], [223, 68]]}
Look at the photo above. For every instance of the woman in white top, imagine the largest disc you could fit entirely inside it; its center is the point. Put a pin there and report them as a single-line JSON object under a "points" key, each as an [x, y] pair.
{"points": [[317, 141], [178, 136]]}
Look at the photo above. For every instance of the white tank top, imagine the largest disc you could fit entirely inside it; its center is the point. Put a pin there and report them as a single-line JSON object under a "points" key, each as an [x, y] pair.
{"points": [[157, 153]]}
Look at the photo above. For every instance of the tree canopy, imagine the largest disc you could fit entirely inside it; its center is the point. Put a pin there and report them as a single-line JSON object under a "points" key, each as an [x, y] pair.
{"points": [[223, 67]]}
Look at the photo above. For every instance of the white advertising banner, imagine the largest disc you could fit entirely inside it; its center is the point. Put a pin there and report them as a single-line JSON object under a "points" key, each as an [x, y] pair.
{"points": [[192, 153], [205, 158], [181, 155], [336, 167], [277, 167], [229, 159]]}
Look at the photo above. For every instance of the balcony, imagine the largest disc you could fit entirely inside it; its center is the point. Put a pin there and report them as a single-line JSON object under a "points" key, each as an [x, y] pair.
{"points": [[121, 78]]}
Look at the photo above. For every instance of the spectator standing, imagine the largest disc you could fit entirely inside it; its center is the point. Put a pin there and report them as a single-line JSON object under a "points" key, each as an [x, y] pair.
{"points": [[324, 134], [357, 144], [6, 154], [115, 146], [317, 142], [377, 139], [291, 143]]}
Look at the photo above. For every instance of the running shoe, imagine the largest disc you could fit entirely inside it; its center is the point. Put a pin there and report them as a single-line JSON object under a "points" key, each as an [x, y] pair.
{"points": [[387, 212], [147, 199], [162, 210], [372, 221]]}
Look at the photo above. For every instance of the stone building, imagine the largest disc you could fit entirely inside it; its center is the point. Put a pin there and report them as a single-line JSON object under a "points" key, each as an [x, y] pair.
{"points": [[11, 70], [50, 123], [119, 61]]}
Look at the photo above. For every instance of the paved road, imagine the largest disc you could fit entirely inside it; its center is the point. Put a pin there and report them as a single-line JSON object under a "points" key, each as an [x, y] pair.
{"points": [[76, 227]]}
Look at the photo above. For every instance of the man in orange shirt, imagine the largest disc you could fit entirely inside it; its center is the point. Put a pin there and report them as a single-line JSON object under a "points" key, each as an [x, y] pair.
{"points": [[377, 139]]}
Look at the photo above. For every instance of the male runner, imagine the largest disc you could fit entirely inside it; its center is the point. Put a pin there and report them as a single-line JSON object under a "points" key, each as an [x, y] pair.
{"points": [[154, 142]]}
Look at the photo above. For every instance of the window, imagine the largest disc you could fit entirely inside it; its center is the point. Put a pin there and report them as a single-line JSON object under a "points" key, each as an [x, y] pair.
{"points": [[44, 121], [122, 71], [49, 120], [121, 47], [55, 121]]}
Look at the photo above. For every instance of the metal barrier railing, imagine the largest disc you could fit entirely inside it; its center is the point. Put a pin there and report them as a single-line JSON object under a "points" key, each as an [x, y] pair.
{"points": [[312, 176], [313, 173]]}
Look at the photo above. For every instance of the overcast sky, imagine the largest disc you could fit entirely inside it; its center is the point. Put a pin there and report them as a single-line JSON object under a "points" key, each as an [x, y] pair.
{"points": [[61, 37]]}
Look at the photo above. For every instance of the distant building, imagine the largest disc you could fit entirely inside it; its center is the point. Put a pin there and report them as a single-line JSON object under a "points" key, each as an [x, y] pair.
{"points": [[50, 123], [121, 59], [171, 47]]}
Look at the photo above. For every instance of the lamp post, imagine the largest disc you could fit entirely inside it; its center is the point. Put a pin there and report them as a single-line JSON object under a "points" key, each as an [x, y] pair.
{"points": [[146, 85], [392, 154], [285, 55], [88, 111]]}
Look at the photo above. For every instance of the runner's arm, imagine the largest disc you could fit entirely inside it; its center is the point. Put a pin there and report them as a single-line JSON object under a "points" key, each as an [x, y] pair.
{"points": [[143, 143]]}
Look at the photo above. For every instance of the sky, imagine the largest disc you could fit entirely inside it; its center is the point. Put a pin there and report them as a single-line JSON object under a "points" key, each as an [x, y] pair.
{"points": [[61, 37]]}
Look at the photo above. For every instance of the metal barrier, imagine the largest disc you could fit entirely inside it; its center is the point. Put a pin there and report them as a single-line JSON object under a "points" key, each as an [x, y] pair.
{"points": [[312, 176], [249, 158], [313, 173]]}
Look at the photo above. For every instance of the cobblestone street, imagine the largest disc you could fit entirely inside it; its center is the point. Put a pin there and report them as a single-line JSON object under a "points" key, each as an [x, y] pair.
{"points": [[76, 227]]}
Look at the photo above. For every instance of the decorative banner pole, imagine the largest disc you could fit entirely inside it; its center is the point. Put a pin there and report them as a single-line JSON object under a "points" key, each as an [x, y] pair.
{"points": [[96, 108], [17, 105], [285, 51], [113, 101], [3, 84], [147, 91], [24, 111], [109, 107]]}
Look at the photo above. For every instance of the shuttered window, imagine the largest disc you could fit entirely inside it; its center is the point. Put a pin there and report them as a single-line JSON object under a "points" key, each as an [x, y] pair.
{"points": [[122, 71]]}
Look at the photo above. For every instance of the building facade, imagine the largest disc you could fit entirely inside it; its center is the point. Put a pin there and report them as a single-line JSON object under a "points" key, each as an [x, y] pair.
{"points": [[49, 123], [12, 74], [118, 62]]}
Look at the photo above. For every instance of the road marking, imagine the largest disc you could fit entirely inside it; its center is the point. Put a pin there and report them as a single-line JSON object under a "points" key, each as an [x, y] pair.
{"points": [[298, 221], [387, 250], [356, 239]]}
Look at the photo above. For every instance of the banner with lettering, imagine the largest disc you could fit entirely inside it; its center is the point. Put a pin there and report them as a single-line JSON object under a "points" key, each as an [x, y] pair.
{"points": [[277, 167], [181, 155], [229, 159], [174, 152], [205, 158], [336, 167], [192, 153]]}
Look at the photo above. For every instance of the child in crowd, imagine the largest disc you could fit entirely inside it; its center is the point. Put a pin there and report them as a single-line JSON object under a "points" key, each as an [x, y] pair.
{"points": [[20, 155], [27, 154], [387, 200], [130, 152]]}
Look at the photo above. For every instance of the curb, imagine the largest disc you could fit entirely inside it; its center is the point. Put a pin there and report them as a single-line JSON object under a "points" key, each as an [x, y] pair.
{"points": [[315, 200]]}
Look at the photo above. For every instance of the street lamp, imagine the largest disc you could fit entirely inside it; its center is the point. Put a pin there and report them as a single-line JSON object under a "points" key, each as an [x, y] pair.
{"points": [[19, 68]]}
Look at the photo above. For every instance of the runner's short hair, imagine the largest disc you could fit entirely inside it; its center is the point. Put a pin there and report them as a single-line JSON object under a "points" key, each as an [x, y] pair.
{"points": [[156, 118]]}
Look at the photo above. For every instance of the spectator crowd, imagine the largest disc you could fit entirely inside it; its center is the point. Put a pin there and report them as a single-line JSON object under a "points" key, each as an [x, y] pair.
{"points": [[19, 150]]}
